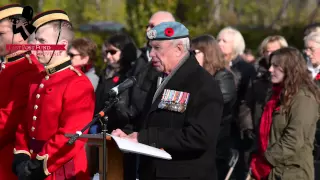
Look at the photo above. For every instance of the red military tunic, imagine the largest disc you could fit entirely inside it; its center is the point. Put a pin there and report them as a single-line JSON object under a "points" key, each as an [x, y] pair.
{"points": [[15, 75], [60, 101]]}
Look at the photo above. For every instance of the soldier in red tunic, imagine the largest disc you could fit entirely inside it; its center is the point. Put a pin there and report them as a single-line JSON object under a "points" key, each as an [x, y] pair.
{"points": [[61, 100], [16, 72]]}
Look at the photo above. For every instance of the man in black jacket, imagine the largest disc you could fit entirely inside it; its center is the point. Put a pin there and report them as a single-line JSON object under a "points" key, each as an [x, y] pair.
{"points": [[183, 112], [130, 107], [144, 74]]}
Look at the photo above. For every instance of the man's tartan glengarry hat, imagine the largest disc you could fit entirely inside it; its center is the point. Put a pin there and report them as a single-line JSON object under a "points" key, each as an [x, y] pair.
{"points": [[49, 16], [10, 10]]}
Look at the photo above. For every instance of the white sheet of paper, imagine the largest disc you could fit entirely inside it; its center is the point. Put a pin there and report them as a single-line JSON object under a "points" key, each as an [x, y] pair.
{"points": [[138, 148]]}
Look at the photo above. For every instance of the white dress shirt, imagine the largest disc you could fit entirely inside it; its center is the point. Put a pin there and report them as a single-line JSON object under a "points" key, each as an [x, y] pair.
{"points": [[314, 70]]}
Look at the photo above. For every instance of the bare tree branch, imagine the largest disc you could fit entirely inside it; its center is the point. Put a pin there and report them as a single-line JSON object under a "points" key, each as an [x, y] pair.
{"points": [[231, 6], [239, 11], [299, 6], [217, 9], [260, 18], [98, 5], [268, 19], [40, 6], [281, 13], [314, 13]]}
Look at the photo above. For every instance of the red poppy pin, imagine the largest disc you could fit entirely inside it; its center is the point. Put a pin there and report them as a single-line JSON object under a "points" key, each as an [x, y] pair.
{"points": [[115, 79], [169, 32], [317, 77]]}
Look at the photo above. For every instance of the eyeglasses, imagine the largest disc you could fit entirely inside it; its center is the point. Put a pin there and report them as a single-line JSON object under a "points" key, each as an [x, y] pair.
{"points": [[112, 52], [72, 55], [311, 49]]}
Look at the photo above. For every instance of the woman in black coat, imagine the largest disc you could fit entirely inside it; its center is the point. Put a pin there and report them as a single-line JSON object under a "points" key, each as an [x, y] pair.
{"points": [[211, 58], [120, 52], [120, 55]]}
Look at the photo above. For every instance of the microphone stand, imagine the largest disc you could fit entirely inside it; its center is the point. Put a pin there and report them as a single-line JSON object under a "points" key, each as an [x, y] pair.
{"points": [[104, 120]]}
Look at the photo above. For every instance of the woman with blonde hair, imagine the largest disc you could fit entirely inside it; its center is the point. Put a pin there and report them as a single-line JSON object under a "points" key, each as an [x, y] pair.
{"points": [[272, 43], [231, 42], [232, 45], [267, 46], [211, 58], [262, 83]]}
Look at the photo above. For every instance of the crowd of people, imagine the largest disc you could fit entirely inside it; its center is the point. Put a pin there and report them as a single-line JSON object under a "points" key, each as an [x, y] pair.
{"points": [[199, 98]]}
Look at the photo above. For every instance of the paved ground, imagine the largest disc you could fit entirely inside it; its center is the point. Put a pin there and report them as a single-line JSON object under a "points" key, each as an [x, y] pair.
{"points": [[96, 177]]}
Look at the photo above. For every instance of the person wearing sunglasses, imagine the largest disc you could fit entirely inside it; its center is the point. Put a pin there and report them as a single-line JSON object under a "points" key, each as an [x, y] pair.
{"points": [[118, 52], [83, 54], [111, 56]]}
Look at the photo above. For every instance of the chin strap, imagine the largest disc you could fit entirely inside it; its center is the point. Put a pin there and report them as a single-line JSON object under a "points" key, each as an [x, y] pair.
{"points": [[14, 22], [60, 22]]}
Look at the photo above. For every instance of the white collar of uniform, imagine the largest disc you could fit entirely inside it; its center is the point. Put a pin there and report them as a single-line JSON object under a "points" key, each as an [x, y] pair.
{"points": [[51, 69], [312, 69]]}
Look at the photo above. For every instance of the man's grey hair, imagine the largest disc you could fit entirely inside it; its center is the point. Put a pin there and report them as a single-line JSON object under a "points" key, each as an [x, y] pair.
{"points": [[166, 15], [184, 41], [314, 36]]}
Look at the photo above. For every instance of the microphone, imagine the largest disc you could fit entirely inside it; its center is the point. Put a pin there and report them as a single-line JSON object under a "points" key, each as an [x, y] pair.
{"points": [[122, 87]]}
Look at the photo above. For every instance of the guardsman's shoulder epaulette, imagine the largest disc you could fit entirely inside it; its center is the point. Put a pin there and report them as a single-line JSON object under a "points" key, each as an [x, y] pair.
{"points": [[75, 70], [29, 58], [16, 56]]}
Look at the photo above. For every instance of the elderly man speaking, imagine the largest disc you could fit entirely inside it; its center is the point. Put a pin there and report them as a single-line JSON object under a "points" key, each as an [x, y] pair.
{"points": [[183, 112]]}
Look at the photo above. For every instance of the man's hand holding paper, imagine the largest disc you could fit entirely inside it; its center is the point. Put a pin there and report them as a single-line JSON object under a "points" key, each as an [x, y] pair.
{"points": [[119, 133]]}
